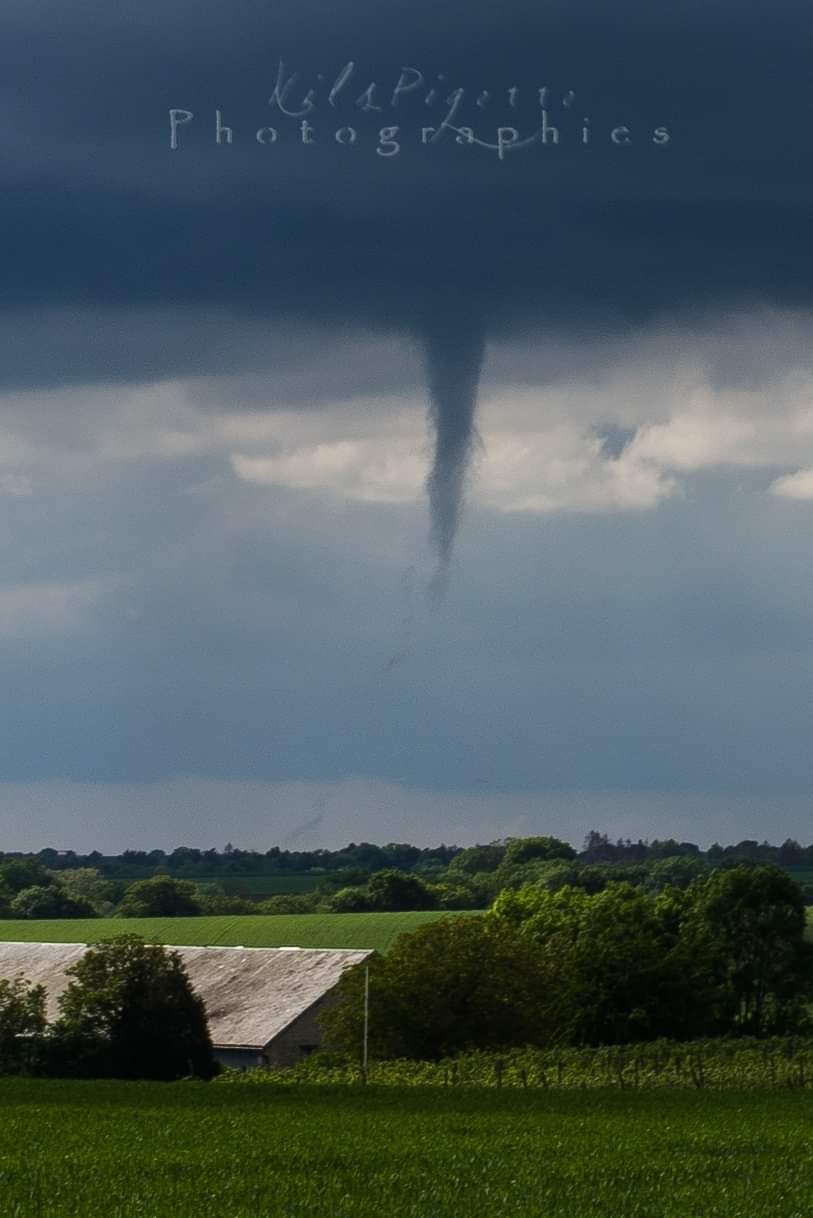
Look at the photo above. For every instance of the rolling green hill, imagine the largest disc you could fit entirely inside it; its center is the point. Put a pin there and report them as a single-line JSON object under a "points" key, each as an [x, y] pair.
{"points": [[350, 930]]}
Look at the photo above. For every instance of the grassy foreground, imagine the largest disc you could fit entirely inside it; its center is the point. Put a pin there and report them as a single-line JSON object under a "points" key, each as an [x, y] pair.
{"points": [[141, 1150], [353, 930]]}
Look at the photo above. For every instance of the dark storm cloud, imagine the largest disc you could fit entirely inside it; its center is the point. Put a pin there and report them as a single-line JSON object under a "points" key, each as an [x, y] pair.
{"points": [[102, 213], [104, 216]]}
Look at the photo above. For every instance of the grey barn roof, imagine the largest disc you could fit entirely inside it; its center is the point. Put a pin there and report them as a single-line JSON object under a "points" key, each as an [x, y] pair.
{"points": [[251, 994]]}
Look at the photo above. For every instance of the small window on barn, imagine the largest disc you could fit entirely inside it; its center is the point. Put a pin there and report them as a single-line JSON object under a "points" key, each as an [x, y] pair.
{"points": [[306, 1050]]}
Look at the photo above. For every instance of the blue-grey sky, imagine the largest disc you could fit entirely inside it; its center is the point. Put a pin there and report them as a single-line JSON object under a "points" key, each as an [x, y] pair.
{"points": [[365, 487]]}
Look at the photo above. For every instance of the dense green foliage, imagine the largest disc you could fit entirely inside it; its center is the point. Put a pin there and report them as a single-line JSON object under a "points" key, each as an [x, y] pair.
{"points": [[124, 1150], [159, 897], [49, 901], [749, 923], [743, 1064], [29, 890], [458, 983], [359, 877], [261, 886], [727, 956], [364, 930], [190, 863], [22, 1024]]}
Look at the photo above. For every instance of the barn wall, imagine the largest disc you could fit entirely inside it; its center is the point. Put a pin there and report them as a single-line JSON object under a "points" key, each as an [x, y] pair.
{"points": [[239, 1059], [297, 1040]]}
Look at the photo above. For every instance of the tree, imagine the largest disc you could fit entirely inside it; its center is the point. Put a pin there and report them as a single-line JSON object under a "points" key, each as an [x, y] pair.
{"points": [[675, 871], [17, 874], [342, 877], [612, 973], [672, 849], [288, 903], [22, 1024], [348, 900], [598, 848], [161, 896], [401, 855], [476, 859], [524, 849], [791, 853], [542, 873], [87, 884], [750, 923], [398, 890], [49, 902], [458, 983], [212, 899], [130, 1012], [456, 896]]}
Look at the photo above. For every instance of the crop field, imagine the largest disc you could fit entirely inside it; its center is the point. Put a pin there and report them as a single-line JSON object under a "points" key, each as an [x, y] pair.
{"points": [[145, 1150], [259, 886], [780, 1063], [802, 875], [265, 885], [350, 930]]}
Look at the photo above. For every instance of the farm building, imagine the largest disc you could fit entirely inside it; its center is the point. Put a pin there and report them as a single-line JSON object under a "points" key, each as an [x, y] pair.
{"points": [[261, 1002]]}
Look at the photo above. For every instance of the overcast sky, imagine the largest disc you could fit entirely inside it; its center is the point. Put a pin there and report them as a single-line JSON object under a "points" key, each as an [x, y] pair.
{"points": [[359, 483]]}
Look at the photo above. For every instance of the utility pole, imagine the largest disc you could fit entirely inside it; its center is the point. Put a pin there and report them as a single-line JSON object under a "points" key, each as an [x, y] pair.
{"points": [[364, 1054]]}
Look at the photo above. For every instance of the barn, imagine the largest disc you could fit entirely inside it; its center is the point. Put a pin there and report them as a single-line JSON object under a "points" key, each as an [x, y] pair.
{"points": [[261, 1002]]}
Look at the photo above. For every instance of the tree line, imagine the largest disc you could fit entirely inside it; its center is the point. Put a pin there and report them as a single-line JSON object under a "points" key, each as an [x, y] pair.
{"points": [[189, 862], [468, 879], [726, 956]]}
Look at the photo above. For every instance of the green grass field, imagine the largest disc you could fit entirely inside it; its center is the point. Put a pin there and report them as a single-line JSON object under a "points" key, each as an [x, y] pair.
{"points": [[360, 930], [143, 1150], [259, 886], [373, 930], [267, 885]]}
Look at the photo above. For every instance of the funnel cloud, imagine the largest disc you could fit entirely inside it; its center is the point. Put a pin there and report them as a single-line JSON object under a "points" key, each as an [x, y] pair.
{"points": [[454, 353]]}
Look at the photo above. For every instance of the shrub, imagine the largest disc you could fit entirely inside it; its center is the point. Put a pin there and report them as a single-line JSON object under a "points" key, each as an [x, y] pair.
{"points": [[159, 897], [289, 903], [22, 1024], [350, 900], [49, 902], [398, 891]]}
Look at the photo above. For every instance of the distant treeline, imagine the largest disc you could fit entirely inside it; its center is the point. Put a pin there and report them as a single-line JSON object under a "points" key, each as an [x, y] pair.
{"points": [[361, 877], [189, 862]]}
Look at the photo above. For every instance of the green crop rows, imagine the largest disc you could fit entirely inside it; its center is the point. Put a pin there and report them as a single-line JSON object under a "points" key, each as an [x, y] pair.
{"points": [[363, 930], [140, 1150], [777, 1064]]}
